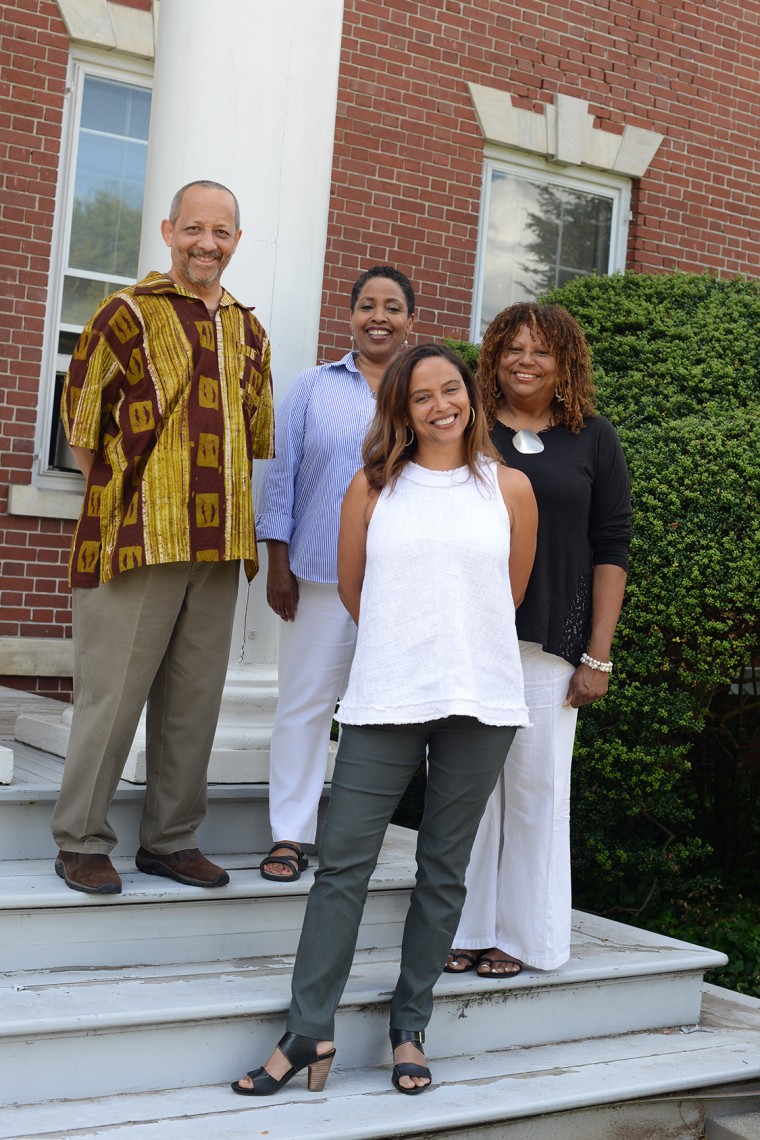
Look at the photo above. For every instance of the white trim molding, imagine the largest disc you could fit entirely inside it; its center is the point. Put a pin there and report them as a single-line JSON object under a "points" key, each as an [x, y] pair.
{"points": [[564, 133], [115, 27]]}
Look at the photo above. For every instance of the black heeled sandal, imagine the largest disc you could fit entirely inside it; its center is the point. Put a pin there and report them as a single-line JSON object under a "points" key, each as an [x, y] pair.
{"points": [[300, 1051], [405, 1068]]}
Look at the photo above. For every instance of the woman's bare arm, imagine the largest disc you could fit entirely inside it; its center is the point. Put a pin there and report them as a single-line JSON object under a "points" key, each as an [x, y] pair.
{"points": [[355, 514], [523, 516]]}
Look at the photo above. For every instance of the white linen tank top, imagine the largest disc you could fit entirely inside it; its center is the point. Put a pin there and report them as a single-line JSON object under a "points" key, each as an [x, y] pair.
{"points": [[437, 631]]}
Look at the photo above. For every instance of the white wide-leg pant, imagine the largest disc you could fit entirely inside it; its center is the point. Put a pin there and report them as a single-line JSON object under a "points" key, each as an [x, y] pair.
{"points": [[316, 650], [518, 880]]}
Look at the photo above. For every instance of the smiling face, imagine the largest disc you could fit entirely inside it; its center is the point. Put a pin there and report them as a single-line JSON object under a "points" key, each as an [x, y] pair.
{"points": [[438, 407], [380, 320], [527, 370], [202, 240]]}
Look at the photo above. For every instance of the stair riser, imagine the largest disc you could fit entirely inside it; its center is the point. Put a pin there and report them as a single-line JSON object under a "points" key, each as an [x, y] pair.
{"points": [[111, 935], [676, 1120], [231, 826], [216, 1047]]}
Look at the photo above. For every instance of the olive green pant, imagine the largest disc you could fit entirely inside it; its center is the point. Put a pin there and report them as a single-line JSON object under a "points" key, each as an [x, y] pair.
{"points": [[161, 635], [373, 768]]}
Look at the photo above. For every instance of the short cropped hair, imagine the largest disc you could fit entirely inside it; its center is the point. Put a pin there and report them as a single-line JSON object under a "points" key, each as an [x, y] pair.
{"points": [[176, 205]]}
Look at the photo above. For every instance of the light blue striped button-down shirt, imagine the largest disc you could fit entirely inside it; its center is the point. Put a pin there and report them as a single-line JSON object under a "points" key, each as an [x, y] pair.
{"points": [[320, 428]]}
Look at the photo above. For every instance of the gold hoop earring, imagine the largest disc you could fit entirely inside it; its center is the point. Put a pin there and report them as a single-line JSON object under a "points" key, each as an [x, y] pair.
{"points": [[409, 442], [472, 416], [497, 391]]}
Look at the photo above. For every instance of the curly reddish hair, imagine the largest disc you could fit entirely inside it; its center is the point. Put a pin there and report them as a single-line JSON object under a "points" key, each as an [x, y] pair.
{"points": [[563, 336]]}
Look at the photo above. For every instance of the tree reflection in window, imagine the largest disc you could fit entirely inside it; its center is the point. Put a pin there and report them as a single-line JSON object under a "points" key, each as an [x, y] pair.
{"points": [[539, 234], [570, 237], [109, 183]]}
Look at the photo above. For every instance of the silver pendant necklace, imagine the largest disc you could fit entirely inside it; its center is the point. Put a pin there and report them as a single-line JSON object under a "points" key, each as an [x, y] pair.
{"points": [[527, 442]]}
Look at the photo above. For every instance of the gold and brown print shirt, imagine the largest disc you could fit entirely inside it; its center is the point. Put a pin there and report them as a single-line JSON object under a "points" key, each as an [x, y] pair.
{"points": [[176, 405]]}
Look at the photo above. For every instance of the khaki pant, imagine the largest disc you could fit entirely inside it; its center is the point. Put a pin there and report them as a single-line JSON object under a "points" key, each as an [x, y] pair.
{"points": [[161, 635]]}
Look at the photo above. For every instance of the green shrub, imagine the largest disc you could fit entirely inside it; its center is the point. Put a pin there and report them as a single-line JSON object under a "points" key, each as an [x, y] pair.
{"points": [[705, 917], [677, 367]]}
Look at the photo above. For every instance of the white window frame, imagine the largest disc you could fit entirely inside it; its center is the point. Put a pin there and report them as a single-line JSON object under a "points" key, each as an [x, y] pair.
{"points": [[601, 183], [83, 62]]}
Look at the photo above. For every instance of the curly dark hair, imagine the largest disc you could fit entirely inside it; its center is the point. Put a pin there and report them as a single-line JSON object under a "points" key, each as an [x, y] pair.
{"points": [[386, 450], [563, 336], [392, 274]]}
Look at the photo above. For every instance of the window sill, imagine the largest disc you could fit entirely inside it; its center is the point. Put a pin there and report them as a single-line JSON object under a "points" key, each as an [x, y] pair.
{"points": [[25, 499], [36, 657]]}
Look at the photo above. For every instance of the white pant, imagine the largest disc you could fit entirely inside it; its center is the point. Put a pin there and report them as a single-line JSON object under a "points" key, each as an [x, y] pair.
{"points": [[518, 880], [316, 650]]}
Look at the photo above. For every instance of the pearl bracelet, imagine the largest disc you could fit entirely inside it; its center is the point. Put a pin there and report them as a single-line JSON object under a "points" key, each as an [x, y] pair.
{"points": [[602, 666]]}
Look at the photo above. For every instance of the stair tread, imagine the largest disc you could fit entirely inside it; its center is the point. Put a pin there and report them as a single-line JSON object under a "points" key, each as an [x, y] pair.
{"points": [[53, 1000], [102, 1030], [360, 1104], [28, 883]]}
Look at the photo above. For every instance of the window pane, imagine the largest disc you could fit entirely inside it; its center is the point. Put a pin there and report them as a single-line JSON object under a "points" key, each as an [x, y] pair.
{"points": [[104, 216], [81, 298], [110, 178], [67, 342], [115, 108], [539, 235]]}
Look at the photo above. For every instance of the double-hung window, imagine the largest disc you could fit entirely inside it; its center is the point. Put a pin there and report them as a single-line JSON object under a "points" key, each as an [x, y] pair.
{"points": [[102, 182], [540, 226]]}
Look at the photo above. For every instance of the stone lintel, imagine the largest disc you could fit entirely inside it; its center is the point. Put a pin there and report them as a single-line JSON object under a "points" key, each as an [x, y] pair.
{"points": [[637, 149], [114, 27], [504, 124], [563, 133]]}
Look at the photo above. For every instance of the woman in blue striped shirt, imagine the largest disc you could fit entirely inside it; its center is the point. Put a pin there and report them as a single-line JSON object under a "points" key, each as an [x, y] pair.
{"points": [[321, 426]]}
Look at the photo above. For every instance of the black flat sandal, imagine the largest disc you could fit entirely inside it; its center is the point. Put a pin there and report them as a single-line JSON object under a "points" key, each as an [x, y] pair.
{"points": [[405, 1068], [472, 959], [295, 863], [300, 1051]]}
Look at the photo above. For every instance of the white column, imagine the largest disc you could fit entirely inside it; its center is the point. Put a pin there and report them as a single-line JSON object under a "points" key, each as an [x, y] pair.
{"points": [[245, 94]]}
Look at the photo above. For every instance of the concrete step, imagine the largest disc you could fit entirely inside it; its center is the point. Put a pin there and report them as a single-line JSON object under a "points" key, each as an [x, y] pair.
{"points": [[237, 819], [128, 1015], [643, 1085], [155, 921], [741, 1126], [240, 752], [114, 1029]]}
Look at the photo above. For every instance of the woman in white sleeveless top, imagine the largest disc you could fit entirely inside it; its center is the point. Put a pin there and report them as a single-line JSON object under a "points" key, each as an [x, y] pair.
{"points": [[436, 547]]}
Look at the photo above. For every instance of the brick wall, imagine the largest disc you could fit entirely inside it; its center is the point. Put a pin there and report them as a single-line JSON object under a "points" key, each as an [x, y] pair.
{"points": [[408, 150], [34, 49]]}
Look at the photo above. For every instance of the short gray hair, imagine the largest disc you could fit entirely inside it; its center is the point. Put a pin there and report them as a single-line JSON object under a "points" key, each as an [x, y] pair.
{"points": [[176, 205]]}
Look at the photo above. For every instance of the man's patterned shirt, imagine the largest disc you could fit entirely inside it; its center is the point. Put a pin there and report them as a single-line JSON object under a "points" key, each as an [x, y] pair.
{"points": [[176, 405]]}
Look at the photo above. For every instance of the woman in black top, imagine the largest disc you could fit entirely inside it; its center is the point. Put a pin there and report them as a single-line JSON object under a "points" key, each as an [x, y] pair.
{"points": [[535, 372]]}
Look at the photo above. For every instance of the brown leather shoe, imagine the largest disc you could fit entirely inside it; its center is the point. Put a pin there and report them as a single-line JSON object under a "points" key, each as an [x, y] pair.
{"points": [[93, 874], [189, 866]]}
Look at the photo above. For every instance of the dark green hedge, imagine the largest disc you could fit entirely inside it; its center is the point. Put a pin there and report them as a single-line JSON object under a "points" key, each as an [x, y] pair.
{"points": [[677, 366]]}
